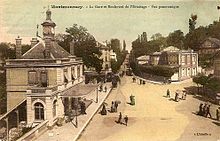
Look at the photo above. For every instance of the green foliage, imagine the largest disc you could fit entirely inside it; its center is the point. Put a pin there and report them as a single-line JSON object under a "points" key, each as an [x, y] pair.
{"points": [[194, 39], [159, 70], [214, 84], [6, 51], [176, 39], [206, 60], [25, 48], [192, 22], [85, 46], [115, 45], [135, 68]]}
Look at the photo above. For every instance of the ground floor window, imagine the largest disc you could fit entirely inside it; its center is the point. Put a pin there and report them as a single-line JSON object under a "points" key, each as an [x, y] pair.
{"points": [[39, 111]]}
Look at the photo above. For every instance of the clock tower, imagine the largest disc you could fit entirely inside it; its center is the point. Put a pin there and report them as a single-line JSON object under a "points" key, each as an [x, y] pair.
{"points": [[48, 26]]}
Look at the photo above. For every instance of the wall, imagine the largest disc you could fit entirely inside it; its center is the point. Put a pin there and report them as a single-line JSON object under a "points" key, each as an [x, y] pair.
{"points": [[16, 86]]}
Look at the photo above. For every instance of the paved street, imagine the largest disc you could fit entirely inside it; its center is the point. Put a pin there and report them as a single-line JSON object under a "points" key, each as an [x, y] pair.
{"points": [[154, 117]]}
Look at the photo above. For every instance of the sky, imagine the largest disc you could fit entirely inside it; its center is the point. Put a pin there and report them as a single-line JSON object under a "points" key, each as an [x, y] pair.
{"points": [[20, 17]]}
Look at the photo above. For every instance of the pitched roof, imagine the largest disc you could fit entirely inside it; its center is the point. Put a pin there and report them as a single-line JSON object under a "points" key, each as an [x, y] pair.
{"points": [[214, 40], [144, 57], [171, 48], [37, 52]]}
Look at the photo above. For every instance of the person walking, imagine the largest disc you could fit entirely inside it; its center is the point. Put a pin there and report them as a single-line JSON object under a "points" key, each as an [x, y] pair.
{"points": [[119, 118], [105, 88], [217, 113], [177, 97], [126, 120], [116, 106], [200, 110], [112, 107], [204, 110], [208, 112], [168, 93]]}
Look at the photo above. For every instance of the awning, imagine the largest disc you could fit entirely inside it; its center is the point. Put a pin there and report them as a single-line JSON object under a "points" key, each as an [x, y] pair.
{"points": [[79, 90]]}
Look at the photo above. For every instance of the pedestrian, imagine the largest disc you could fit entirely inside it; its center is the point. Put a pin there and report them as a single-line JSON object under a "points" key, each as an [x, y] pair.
{"points": [[126, 120], [83, 108], [217, 113], [105, 88], [200, 110], [204, 110], [116, 106], [177, 97], [119, 118], [208, 112], [103, 111], [112, 107], [168, 93], [133, 79]]}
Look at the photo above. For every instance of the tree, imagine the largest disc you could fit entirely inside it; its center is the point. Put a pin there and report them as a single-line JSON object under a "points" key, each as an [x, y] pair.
{"points": [[194, 39], [202, 80], [25, 48], [85, 46], [156, 36], [6, 51], [124, 45], [192, 22], [115, 45], [176, 39]]}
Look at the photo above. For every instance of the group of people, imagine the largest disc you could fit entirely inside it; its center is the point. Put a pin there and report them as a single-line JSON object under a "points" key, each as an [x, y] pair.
{"points": [[177, 95], [204, 110], [102, 89], [120, 119], [114, 106]]}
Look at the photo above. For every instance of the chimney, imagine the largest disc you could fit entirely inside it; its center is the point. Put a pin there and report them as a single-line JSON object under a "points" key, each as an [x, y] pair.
{"points": [[18, 47], [34, 41], [48, 42], [72, 48]]}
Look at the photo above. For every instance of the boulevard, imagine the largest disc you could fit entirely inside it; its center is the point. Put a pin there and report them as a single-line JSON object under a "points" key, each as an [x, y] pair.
{"points": [[154, 116]]}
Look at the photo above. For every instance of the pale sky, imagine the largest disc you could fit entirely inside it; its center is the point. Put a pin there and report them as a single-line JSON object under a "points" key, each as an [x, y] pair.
{"points": [[20, 17]]}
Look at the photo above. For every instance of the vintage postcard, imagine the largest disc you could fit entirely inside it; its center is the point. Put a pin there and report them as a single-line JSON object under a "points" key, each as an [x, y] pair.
{"points": [[109, 70]]}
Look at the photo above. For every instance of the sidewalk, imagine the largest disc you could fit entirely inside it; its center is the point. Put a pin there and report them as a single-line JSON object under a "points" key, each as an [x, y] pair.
{"points": [[68, 132]]}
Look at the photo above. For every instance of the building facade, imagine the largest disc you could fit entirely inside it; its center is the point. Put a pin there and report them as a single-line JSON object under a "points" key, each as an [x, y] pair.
{"points": [[185, 60], [46, 76], [209, 46], [106, 56], [217, 65]]}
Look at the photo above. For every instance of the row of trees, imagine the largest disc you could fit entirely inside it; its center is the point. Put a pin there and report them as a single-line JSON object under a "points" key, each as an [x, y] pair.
{"points": [[192, 39], [120, 54]]}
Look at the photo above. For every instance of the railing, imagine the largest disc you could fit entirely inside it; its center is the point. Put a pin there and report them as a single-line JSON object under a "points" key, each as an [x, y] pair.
{"points": [[35, 132]]}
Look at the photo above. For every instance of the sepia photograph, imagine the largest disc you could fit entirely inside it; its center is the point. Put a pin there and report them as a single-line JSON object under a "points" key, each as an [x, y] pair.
{"points": [[109, 70]]}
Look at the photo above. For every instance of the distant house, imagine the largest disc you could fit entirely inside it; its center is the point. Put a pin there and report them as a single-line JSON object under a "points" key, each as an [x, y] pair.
{"points": [[185, 60], [217, 65], [143, 59], [154, 58], [209, 46], [106, 65]]}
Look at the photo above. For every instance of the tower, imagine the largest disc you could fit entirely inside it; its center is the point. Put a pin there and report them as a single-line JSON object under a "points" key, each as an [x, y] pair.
{"points": [[48, 26]]}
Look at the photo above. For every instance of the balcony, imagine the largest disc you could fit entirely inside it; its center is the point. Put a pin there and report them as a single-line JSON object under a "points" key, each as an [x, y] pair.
{"points": [[42, 90]]}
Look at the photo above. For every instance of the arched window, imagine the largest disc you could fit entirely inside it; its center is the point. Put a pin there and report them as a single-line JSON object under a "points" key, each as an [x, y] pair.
{"points": [[54, 108], [39, 111]]}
